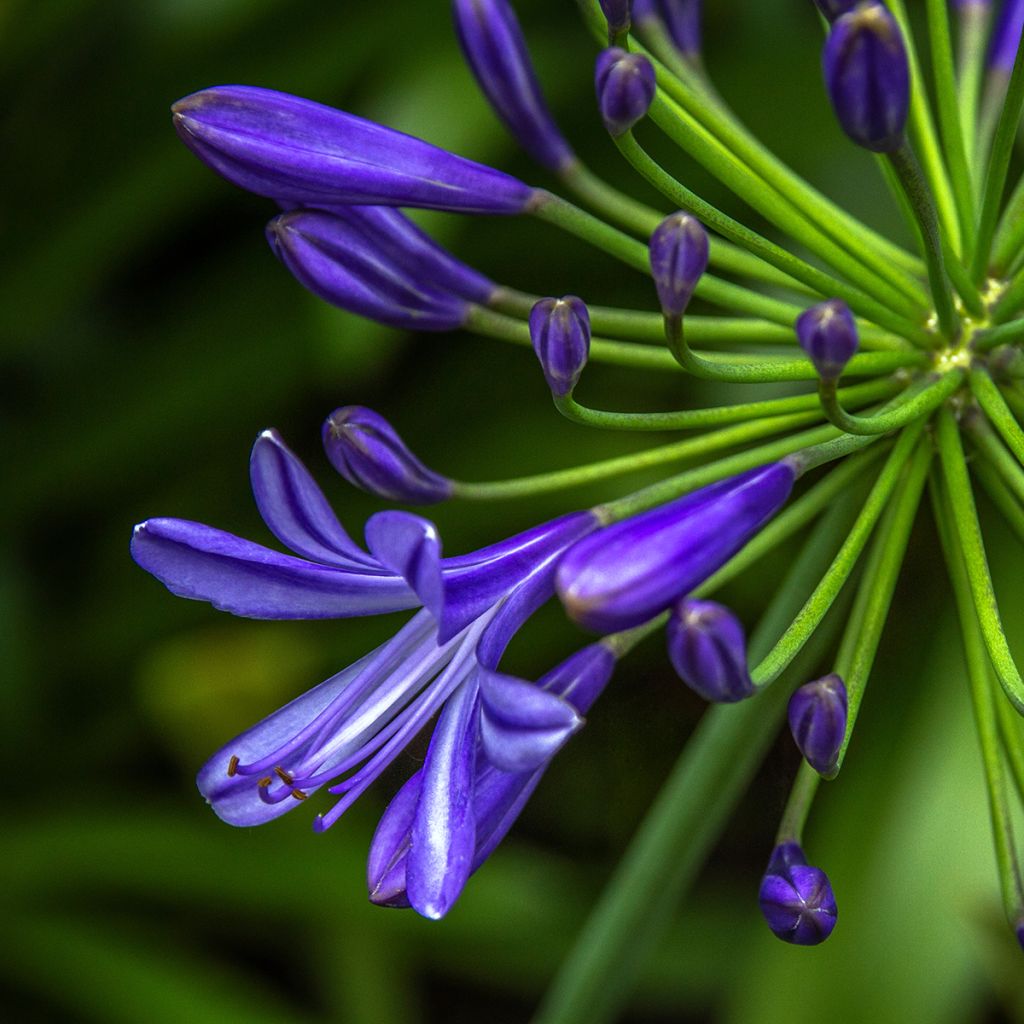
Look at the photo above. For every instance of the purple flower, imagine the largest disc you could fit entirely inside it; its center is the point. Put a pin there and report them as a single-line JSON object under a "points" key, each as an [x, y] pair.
{"points": [[629, 572], [300, 152], [616, 13], [341, 263], [343, 733], [498, 795], [560, 332], [625, 87], [867, 77], [817, 719], [828, 334], [679, 252], [796, 899], [367, 451], [680, 19], [708, 649], [1006, 36], [495, 50]]}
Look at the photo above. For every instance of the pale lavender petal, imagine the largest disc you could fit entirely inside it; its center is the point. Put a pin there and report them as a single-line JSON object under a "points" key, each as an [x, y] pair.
{"points": [[238, 576]]}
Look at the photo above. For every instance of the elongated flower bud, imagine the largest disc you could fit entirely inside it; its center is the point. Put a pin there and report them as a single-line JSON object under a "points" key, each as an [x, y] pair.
{"points": [[367, 451], [796, 899], [1006, 37], [625, 87], [833, 9], [817, 719], [828, 334], [495, 50], [617, 14], [679, 18], [632, 570], [298, 151], [560, 332], [345, 267], [679, 251], [868, 78], [708, 649]]}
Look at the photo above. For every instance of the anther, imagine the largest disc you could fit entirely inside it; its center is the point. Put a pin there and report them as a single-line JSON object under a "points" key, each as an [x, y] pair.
{"points": [[232, 766], [300, 794], [264, 782], [286, 777]]}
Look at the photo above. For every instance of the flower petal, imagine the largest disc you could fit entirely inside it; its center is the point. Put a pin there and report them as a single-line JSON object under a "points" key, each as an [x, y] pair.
{"points": [[389, 850], [410, 546]]}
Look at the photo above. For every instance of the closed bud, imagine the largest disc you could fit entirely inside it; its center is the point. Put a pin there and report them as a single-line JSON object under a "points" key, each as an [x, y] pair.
{"points": [[817, 719], [833, 9], [868, 77], [560, 332], [679, 18], [679, 256], [828, 334], [708, 649], [617, 14], [796, 899], [367, 451], [625, 85], [496, 52]]}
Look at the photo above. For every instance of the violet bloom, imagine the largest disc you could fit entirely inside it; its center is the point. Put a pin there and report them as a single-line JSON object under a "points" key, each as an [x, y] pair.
{"points": [[868, 77], [343, 733], [796, 899], [629, 572], [495, 50], [817, 718], [300, 152], [679, 18], [1006, 37], [828, 334], [625, 86], [708, 649], [560, 332], [679, 251], [367, 451]]}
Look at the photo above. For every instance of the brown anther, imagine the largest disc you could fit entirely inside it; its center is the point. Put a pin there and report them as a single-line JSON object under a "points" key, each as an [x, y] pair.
{"points": [[299, 794], [264, 782], [286, 777], [232, 766]]}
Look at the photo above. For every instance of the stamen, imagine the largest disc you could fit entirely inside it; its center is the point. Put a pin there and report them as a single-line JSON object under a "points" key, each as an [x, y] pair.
{"points": [[264, 782], [300, 794], [232, 766], [283, 775]]}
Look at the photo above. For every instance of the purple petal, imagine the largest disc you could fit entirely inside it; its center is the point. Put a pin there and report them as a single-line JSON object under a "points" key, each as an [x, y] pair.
{"points": [[389, 850], [295, 509], [444, 830], [237, 576], [410, 546], [521, 725]]}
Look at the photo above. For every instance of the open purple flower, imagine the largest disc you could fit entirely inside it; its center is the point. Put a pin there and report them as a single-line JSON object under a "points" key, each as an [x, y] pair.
{"points": [[343, 733]]}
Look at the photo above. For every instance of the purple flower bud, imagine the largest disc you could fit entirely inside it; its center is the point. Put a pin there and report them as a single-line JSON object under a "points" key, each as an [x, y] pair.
{"points": [[496, 52], [832, 9], [298, 151], [828, 334], [680, 19], [1006, 37], [337, 261], [796, 899], [625, 86], [616, 13], [708, 649], [679, 256], [817, 719], [628, 572], [560, 332], [367, 451], [867, 77]]}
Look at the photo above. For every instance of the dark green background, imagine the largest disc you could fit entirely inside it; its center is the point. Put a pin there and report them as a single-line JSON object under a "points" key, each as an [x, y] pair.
{"points": [[147, 335]]}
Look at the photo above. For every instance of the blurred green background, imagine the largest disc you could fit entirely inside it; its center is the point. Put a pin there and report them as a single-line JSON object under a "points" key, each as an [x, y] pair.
{"points": [[147, 335]]}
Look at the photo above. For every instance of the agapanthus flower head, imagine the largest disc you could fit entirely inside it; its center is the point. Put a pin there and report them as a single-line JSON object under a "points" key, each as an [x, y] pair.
{"points": [[560, 332], [342, 263], [817, 718], [680, 19], [679, 251], [625, 85], [796, 899], [1006, 36], [300, 152], [868, 76], [629, 572], [832, 9], [828, 334], [495, 50], [368, 452], [708, 649]]}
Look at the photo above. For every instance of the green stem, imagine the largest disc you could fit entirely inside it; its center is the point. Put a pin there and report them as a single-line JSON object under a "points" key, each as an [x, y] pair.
{"points": [[1013, 744], [968, 533], [1011, 301], [1009, 238], [920, 399], [980, 675], [1000, 495], [991, 400], [998, 165], [994, 452], [798, 806], [911, 178], [618, 207], [686, 419], [635, 325], [974, 23]]}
